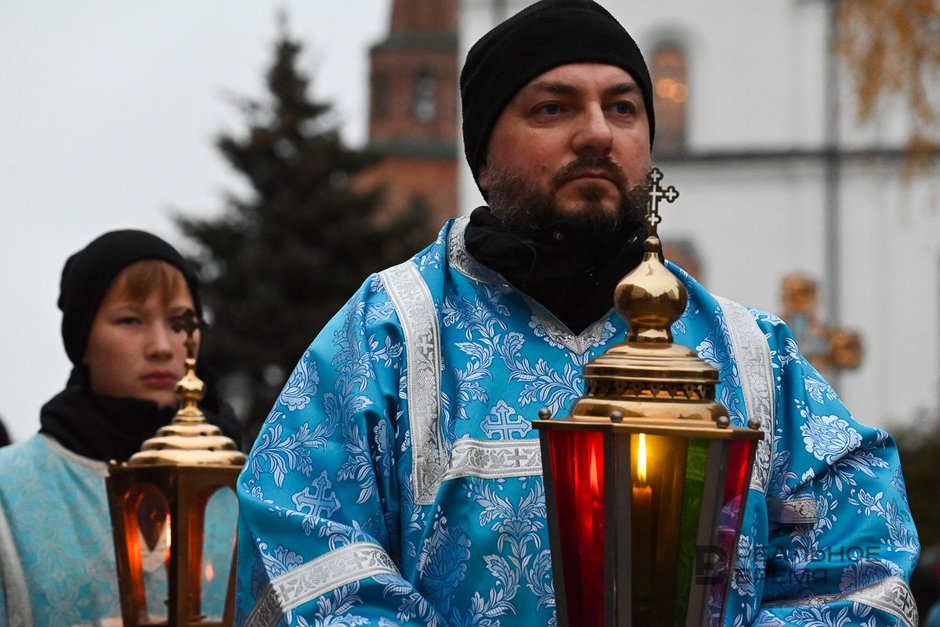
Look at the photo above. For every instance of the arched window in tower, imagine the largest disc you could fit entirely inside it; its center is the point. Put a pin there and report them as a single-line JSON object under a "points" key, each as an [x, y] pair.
{"points": [[670, 98], [424, 100]]}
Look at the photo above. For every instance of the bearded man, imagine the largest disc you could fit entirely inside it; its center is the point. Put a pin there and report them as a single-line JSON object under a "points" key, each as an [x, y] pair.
{"points": [[397, 480]]}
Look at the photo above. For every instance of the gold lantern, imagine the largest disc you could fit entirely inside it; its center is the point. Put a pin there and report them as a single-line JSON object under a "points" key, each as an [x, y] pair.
{"points": [[158, 501], [646, 480]]}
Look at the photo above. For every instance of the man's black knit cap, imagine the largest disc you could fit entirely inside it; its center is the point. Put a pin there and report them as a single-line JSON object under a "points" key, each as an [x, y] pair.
{"points": [[88, 274], [542, 36]]}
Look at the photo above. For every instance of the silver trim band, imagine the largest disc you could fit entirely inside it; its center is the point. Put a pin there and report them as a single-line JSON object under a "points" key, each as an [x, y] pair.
{"points": [[494, 459], [19, 611], [412, 301], [798, 511], [753, 353], [337, 568], [891, 595]]}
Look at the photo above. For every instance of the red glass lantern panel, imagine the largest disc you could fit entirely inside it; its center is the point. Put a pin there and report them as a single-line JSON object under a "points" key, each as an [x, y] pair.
{"points": [[577, 460]]}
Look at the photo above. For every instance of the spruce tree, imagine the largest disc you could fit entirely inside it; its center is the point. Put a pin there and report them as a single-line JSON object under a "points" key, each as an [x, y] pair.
{"points": [[279, 262]]}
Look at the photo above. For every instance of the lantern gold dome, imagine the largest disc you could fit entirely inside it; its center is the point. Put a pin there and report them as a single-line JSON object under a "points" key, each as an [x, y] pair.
{"points": [[189, 444], [648, 376], [189, 440], [650, 298]]}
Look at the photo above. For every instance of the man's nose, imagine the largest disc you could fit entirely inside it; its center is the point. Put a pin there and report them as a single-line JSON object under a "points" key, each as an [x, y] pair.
{"points": [[593, 134]]}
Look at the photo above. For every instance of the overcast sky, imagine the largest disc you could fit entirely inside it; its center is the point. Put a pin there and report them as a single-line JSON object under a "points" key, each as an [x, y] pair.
{"points": [[108, 111]]}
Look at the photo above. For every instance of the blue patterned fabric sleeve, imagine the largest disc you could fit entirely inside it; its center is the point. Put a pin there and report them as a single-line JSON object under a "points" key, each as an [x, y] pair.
{"points": [[841, 542], [319, 503]]}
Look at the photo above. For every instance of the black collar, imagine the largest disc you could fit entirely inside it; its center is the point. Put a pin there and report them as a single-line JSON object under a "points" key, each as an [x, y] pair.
{"points": [[566, 266], [100, 427], [106, 428]]}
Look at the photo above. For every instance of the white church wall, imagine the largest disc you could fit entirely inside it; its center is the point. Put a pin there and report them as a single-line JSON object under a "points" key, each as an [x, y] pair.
{"points": [[753, 224], [739, 91], [891, 291], [750, 223]]}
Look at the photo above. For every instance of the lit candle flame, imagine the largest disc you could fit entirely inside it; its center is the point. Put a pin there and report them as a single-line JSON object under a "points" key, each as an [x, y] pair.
{"points": [[641, 461], [167, 536]]}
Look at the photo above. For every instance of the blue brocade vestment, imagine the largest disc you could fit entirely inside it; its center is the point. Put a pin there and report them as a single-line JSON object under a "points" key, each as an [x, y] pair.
{"points": [[397, 480]]}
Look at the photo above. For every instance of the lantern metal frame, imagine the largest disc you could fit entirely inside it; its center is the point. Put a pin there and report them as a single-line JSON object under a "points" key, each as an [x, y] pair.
{"points": [[187, 491]]}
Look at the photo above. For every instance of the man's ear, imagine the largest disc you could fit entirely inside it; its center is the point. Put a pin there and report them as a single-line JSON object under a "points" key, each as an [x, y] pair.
{"points": [[483, 180]]}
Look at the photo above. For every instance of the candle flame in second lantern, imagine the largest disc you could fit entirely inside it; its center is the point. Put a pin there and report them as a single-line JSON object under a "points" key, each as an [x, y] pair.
{"points": [[641, 461], [168, 540]]}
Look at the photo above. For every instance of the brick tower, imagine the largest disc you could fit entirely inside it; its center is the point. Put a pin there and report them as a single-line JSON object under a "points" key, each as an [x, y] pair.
{"points": [[413, 109]]}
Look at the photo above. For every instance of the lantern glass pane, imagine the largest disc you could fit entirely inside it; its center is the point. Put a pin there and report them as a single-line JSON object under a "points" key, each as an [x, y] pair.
{"points": [[577, 459], [696, 463], [657, 491], [737, 477], [218, 548], [152, 518]]}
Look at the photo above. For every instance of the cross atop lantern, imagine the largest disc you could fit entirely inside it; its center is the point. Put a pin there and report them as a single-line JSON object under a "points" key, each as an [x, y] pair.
{"points": [[646, 479], [169, 501]]}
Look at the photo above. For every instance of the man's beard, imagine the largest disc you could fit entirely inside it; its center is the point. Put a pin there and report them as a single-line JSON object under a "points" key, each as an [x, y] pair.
{"points": [[518, 204]]}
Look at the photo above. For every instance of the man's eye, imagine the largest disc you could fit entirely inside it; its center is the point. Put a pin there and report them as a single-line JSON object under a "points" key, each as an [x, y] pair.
{"points": [[551, 108], [128, 320], [624, 108]]}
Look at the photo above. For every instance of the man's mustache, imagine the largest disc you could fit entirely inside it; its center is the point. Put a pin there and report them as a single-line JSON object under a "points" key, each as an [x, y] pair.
{"points": [[589, 165]]}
